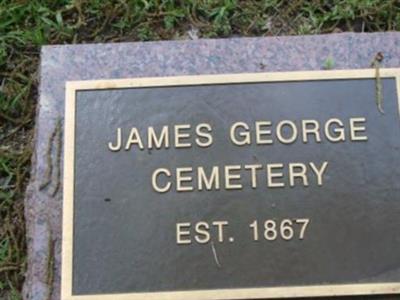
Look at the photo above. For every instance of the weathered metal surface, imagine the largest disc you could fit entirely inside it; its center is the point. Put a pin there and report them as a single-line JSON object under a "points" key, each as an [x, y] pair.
{"points": [[125, 225]]}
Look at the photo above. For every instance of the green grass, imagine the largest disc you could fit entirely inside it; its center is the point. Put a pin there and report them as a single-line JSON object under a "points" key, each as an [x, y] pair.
{"points": [[26, 25]]}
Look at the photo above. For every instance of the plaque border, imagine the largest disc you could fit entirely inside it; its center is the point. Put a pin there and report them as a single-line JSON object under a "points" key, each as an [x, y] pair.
{"points": [[72, 87]]}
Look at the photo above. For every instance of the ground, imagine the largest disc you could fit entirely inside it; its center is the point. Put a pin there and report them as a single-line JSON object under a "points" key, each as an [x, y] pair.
{"points": [[26, 25]]}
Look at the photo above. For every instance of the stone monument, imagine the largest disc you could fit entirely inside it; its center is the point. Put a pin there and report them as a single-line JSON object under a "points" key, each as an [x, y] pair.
{"points": [[217, 169]]}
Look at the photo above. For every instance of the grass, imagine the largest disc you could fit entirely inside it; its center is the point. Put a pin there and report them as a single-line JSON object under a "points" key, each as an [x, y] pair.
{"points": [[26, 25]]}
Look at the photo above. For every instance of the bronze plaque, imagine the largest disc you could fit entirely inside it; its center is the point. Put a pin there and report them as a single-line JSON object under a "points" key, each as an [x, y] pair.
{"points": [[241, 186]]}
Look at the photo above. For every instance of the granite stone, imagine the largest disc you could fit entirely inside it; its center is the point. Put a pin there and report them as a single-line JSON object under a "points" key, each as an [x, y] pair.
{"points": [[150, 59]]}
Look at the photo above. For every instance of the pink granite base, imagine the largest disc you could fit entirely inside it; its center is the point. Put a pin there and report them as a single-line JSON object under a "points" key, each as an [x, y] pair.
{"points": [[101, 61]]}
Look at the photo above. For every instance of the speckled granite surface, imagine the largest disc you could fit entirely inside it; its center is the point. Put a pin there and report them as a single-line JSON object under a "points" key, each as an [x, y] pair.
{"points": [[102, 61]]}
